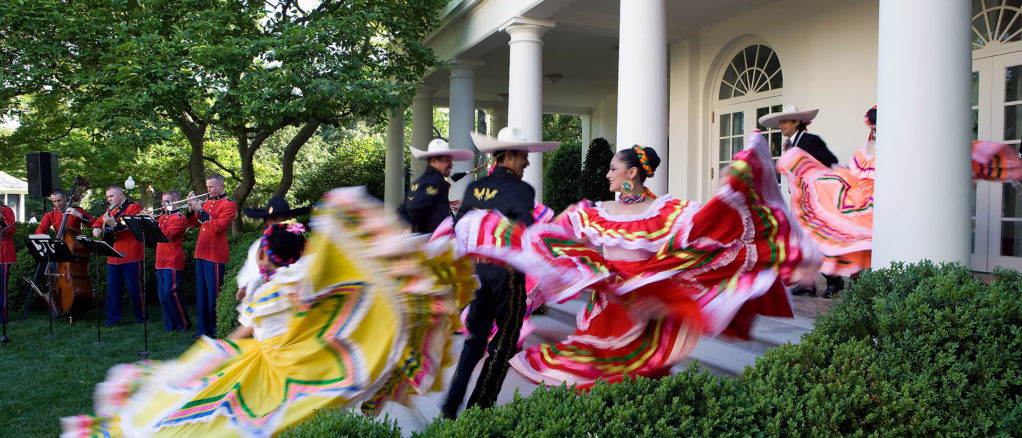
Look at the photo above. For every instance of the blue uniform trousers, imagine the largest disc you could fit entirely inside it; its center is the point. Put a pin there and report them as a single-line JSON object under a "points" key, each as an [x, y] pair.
{"points": [[209, 277], [174, 315], [127, 275]]}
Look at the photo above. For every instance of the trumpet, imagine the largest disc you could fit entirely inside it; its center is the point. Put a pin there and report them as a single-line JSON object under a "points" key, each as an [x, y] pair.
{"points": [[172, 206]]}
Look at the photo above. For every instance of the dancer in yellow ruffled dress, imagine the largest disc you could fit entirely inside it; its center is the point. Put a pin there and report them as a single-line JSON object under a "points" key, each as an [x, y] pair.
{"points": [[363, 317]]}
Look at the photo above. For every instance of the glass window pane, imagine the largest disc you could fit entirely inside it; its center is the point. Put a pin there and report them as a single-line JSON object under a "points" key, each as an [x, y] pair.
{"points": [[975, 88], [725, 150], [777, 81], [1010, 24], [760, 112], [975, 124], [1010, 205], [736, 145], [725, 91], [738, 123], [1011, 83], [1011, 122], [973, 236], [725, 125], [1011, 239], [775, 109], [972, 198], [775, 143], [738, 63]]}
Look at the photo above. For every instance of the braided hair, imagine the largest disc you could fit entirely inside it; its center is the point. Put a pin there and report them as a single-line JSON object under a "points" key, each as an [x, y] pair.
{"points": [[643, 158], [283, 243]]}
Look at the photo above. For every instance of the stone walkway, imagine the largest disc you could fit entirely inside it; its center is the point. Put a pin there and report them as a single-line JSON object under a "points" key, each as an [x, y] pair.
{"points": [[721, 355]]}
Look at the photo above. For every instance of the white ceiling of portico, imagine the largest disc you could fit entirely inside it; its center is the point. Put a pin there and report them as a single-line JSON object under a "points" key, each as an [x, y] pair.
{"points": [[582, 48]]}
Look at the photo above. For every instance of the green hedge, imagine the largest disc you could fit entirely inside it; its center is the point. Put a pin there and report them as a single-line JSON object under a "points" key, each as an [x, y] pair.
{"points": [[913, 350], [342, 423], [226, 304]]}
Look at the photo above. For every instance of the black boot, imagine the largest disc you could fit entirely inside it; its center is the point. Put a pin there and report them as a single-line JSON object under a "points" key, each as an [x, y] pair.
{"points": [[835, 284]]}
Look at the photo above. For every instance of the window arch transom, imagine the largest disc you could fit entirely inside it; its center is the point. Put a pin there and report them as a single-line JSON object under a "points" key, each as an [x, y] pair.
{"points": [[996, 21], [753, 70]]}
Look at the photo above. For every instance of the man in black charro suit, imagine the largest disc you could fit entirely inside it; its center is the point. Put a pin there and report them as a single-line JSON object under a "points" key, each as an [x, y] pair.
{"points": [[501, 295]]}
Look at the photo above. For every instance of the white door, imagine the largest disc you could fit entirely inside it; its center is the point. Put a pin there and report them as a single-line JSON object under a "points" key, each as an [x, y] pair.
{"points": [[997, 116], [733, 122]]}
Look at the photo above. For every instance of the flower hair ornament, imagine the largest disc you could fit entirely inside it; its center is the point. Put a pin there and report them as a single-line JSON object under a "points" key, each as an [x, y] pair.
{"points": [[288, 256], [643, 160]]}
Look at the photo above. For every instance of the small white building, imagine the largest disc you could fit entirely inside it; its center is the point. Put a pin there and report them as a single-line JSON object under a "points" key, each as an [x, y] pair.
{"points": [[13, 192], [690, 78]]}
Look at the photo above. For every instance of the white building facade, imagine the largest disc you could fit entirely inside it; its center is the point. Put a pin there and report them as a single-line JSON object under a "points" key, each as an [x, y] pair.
{"points": [[691, 78]]}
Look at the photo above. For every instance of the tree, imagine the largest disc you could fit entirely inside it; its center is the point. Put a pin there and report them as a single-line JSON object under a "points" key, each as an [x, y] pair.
{"points": [[561, 178], [593, 181], [137, 73]]}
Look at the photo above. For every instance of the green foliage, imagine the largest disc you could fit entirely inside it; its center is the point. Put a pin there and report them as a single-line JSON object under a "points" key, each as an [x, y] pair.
{"points": [[565, 128], [914, 350], [358, 161], [122, 77], [561, 178], [343, 423], [226, 303], [593, 181]]}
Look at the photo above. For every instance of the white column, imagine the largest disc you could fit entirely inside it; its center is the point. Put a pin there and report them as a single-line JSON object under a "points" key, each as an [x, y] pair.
{"points": [[642, 82], [525, 89], [394, 163], [422, 125], [923, 175], [462, 118]]}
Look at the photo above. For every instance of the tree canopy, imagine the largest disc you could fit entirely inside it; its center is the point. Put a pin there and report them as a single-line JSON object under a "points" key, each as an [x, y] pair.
{"points": [[122, 76]]}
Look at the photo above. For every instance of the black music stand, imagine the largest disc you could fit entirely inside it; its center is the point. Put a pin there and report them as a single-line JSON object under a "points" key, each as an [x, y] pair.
{"points": [[3, 261], [100, 249], [46, 249], [146, 230]]}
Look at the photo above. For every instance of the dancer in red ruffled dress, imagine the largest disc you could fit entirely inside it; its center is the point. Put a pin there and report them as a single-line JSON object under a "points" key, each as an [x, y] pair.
{"points": [[835, 204], [669, 271]]}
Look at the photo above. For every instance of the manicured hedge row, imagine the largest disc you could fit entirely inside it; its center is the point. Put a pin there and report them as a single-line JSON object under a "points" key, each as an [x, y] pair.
{"points": [[914, 350], [226, 304]]}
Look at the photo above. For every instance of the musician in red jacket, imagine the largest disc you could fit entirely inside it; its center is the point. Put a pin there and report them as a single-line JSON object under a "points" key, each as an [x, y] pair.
{"points": [[121, 271], [211, 253], [53, 217], [8, 255], [170, 265]]}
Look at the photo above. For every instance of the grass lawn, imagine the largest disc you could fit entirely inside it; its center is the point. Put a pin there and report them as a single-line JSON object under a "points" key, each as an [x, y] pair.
{"points": [[46, 378]]}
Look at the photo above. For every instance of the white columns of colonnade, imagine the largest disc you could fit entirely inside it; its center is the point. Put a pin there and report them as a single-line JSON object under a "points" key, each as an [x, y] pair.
{"points": [[642, 82], [422, 125], [462, 118], [922, 210], [394, 161], [525, 88]]}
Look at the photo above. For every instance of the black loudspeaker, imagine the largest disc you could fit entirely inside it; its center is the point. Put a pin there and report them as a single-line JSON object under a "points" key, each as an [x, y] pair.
{"points": [[42, 174]]}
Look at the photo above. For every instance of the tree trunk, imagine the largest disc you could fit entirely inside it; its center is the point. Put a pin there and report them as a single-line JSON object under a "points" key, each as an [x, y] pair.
{"points": [[246, 151], [195, 133], [287, 161]]}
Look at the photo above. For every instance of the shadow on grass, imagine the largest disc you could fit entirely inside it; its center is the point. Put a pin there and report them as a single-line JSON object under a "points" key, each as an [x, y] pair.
{"points": [[46, 378]]}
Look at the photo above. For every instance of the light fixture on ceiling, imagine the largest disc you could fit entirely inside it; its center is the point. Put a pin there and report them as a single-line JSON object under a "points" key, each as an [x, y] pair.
{"points": [[502, 97], [553, 78]]}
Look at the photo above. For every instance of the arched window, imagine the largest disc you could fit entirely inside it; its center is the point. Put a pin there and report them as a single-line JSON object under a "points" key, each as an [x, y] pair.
{"points": [[750, 87], [996, 21], [753, 70]]}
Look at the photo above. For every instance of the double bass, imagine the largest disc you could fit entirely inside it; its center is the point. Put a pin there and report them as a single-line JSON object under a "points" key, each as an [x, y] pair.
{"points": [[72, 286]]}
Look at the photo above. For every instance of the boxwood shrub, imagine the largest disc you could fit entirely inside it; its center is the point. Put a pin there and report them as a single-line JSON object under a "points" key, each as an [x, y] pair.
{"points": [[913, 350]]}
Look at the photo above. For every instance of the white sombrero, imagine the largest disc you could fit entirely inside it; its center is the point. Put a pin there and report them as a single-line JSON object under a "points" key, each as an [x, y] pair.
{"points": [[790, 112], [439, 147], [511, 139]]}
